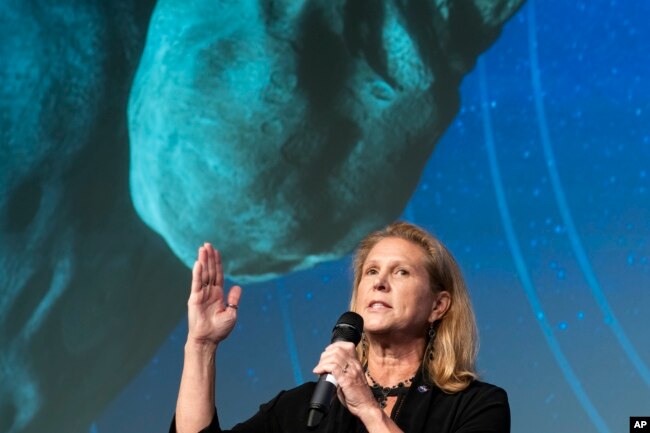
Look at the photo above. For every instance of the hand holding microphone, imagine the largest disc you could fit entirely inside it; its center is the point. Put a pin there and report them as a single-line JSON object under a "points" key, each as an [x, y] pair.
{"points": [[337, 359]]}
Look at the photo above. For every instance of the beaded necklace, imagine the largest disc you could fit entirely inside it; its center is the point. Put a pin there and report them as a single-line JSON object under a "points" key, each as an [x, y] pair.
{"points": [[381, 393]]}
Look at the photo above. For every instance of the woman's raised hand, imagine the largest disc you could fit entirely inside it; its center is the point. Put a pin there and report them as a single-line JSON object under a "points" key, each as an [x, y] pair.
{"points": [[211, 316]]}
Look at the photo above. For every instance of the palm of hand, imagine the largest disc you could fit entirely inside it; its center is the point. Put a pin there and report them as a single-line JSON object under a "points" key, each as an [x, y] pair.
{"points": [[210, 319]]}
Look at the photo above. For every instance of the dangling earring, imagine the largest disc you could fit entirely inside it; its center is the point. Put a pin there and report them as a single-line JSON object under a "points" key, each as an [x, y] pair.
{"points": [[364, 348], [431, 336], [432, 331]]}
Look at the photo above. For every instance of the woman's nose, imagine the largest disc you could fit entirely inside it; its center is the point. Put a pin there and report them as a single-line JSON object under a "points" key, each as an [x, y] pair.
{"points": [[380, 283]]}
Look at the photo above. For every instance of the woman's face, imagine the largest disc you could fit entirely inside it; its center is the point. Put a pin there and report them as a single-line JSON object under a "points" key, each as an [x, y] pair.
{"points": [[394, 294]]}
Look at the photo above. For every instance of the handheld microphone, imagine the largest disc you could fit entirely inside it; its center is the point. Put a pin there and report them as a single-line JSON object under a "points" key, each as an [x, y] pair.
{"points": [[347, 328]]}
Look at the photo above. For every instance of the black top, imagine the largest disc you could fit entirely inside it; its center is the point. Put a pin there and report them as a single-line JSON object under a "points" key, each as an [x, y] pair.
{"points": [[480, 408]]}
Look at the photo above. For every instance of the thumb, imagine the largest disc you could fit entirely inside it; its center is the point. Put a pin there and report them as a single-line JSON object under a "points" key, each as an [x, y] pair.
{"points": [[234, 294]]}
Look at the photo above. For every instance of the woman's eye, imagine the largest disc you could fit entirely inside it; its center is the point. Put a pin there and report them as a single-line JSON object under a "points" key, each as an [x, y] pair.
{"points": [[371, 271], [402, 272]]}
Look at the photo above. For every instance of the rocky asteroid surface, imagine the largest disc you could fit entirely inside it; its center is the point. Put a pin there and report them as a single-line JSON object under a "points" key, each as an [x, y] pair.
{"points": [[285, 131]]}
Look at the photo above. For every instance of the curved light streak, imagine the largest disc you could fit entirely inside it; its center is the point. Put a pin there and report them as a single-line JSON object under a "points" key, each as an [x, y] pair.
{"points": [[288, 331], [565, 213], [521, 267]]}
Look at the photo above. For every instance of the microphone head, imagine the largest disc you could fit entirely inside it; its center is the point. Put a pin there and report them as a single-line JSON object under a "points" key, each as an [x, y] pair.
{"points": [[348, 328]]}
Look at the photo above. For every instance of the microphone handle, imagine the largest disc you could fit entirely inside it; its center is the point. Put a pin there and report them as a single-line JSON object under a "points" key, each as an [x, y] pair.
{"points": [[321, 400]]}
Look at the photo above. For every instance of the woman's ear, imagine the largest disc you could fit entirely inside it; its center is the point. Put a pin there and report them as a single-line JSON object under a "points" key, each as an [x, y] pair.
{"points": [[441, 304]]}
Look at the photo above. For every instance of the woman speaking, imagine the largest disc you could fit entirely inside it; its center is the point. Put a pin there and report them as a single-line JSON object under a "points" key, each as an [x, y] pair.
{"points": [[412, 372]]}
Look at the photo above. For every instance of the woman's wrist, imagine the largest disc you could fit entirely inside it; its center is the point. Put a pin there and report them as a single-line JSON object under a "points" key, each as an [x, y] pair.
{"points": [[204, 347], [373, 417]]}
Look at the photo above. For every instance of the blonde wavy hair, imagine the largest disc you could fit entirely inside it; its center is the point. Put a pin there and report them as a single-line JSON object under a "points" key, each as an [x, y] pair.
{"points": [[453, 365]]}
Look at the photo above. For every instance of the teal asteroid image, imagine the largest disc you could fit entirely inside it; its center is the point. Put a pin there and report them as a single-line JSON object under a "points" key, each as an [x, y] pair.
{"points": [[81, 308], [284, 132], [280, 131]]}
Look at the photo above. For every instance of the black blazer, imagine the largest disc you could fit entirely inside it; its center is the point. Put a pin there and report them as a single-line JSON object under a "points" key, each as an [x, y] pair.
{"points": [[480, 408]]}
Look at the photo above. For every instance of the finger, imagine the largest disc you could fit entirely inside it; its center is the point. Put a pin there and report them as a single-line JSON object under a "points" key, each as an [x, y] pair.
{"points": [[336, 361], [218, 268], [234, 294], [203, 259], [339, 351], [211, 264], [324, 367], [197, 270], [333, 355], [346, 346], [341, 396], [331, 358], [355, 372], [333, 367]]}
